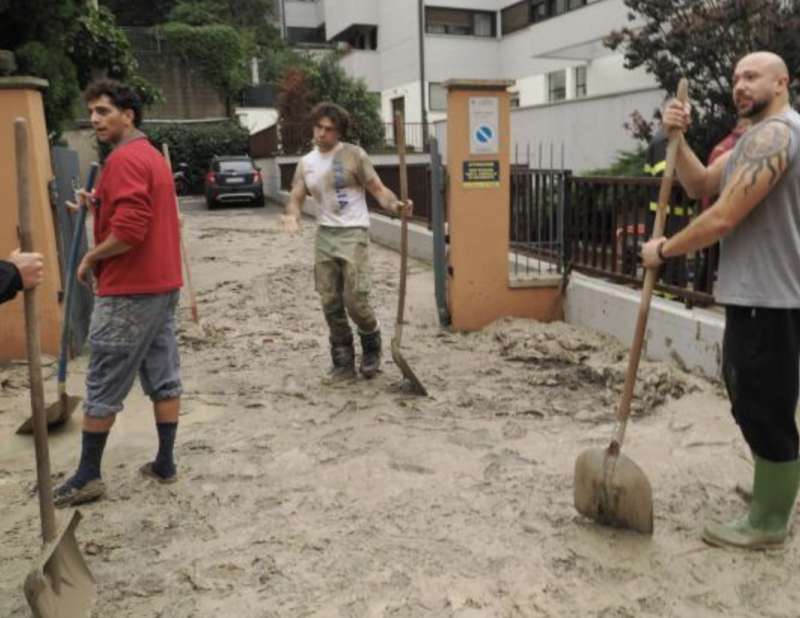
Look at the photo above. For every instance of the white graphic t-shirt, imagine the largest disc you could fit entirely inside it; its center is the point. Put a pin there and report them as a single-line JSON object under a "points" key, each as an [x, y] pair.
{"points": [[336, 180]]}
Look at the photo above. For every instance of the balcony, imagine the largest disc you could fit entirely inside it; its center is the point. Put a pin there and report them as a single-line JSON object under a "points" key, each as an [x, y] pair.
{"points": [[342, 14]]}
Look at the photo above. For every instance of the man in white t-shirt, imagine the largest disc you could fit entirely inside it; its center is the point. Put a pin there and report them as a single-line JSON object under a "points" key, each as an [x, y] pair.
{"points": [[336, 174]]}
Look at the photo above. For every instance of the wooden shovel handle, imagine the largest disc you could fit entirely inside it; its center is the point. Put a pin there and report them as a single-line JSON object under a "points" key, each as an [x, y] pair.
{"points": [[184, 250], [665, 190], [400, 129], [46, 507]]}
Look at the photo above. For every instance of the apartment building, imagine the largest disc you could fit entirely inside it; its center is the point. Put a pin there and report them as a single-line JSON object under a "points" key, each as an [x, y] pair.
{"points": [[553, 50]]}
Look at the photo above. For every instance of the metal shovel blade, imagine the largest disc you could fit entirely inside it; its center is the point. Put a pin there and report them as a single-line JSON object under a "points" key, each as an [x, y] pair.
{"points": [[73, 595], [58, 413], [613, 490], [405, 368]]}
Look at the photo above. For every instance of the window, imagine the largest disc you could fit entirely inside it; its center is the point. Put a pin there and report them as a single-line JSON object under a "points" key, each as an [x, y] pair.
{"points": [[305, 35], [519, 15], [539, 10], [557, 86], [515, 17], [513, 99], [437, 97], [580, 81], [459, 21]]}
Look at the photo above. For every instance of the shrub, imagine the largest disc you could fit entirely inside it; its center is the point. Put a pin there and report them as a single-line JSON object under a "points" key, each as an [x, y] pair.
{"points": [[197, 144]]}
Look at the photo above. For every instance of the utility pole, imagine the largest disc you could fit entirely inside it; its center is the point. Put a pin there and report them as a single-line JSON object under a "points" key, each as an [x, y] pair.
{"points": [[422, 74]]}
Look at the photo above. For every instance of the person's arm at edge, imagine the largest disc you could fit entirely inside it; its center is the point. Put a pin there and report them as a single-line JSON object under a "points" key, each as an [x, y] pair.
{"points": [[10, 281], [760, 166]]}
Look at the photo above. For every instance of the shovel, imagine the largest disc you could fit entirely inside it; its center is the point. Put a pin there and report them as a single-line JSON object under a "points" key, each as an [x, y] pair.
{"points": [[60, 584], [610, 487], [416, 386], [60, 411], [184, 250]]}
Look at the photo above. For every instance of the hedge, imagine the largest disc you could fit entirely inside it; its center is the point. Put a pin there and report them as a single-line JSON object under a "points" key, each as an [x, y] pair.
{"points": [[197, 144]]}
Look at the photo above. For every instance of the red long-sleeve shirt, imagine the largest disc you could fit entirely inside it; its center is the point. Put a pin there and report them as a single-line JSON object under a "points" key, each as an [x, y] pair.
{"points": [[137, 204]]}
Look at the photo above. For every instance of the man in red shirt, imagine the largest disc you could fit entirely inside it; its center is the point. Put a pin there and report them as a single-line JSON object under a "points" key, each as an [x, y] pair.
{"points": [[136, 268]]}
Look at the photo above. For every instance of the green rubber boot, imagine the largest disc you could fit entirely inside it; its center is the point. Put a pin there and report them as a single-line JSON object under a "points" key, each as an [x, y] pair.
{"points": [[767, 524]]}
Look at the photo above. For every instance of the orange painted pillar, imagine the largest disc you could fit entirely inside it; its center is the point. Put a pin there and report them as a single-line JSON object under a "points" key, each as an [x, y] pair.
{"points": [[479, 212], [22, 97]]}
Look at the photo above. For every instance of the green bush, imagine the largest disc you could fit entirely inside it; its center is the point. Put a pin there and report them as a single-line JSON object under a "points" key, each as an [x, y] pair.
{"points": [[63, 94], [218, 50], [626, 163], [197, 144]]}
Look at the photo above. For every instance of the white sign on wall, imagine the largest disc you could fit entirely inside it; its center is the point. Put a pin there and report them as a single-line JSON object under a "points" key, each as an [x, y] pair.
{"points": [[484, 125]]}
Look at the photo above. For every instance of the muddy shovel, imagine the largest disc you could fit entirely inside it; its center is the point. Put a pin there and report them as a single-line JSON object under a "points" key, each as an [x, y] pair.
{"points": [[609, 486], [416, 386], [60, 411], [60, 584]]}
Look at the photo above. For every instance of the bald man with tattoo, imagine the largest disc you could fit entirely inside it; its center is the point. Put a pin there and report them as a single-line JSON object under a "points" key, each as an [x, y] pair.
{"points": [[757, 219]]}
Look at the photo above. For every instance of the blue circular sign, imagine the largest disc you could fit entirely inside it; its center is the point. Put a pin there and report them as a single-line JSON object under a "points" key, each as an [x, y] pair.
{"points": [[484, 134]]}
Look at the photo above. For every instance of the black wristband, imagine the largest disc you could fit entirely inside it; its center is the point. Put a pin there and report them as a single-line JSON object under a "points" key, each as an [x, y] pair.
{"points": [[661, 256]]}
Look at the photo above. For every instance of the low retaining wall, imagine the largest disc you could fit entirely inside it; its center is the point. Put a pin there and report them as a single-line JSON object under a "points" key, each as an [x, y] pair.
{"points": [[692, 338], [383, 230]]}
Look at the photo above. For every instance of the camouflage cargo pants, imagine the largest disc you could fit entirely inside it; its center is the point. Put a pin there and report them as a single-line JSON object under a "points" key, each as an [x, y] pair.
{"points": [[342, 279]]}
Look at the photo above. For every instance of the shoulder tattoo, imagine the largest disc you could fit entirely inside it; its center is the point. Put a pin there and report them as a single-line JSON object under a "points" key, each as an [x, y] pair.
{"points": [[765, 149]]}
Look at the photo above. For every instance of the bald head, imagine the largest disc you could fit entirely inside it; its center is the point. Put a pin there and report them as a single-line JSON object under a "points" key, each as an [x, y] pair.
{"points": [[766, 61], [760, 85]]}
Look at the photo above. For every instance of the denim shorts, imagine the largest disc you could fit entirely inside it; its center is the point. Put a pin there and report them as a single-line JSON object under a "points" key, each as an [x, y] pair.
{"points": [[130, 335]]}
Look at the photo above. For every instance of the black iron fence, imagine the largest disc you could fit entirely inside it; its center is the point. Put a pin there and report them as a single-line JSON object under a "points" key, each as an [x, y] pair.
{"points": [[597, 225]]}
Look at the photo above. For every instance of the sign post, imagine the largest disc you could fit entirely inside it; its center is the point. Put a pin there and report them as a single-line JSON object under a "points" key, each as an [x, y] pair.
{"points": [[479, 215]]}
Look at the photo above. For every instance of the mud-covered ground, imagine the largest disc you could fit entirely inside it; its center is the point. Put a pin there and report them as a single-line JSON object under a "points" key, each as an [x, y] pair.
{"points": [[299, 498]]}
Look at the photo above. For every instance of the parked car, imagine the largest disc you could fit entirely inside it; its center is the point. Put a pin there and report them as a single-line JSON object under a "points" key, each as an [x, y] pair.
{"points": [[233, 180]]}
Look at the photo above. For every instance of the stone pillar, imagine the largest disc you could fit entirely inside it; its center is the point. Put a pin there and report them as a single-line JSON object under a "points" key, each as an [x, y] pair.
{"points": [[22, 97], [479, 215]]}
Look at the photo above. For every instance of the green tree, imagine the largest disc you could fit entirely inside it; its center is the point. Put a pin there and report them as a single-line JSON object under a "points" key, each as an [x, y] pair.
{"points": [[702, 40], [140, 13], [303, 86], [218, 50], [68, 43], [244, 14]]}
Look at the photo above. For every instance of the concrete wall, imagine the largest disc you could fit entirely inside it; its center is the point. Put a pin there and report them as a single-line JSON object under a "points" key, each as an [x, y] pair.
{"points": [[591, 128], [364, 64], [690, 337]]}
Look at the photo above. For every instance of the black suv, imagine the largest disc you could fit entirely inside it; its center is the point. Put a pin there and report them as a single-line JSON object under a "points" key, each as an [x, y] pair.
{"points": [[233, 180]]}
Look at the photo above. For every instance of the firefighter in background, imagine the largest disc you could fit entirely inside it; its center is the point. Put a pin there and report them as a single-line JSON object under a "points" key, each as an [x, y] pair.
{"points": [[674, 272]]}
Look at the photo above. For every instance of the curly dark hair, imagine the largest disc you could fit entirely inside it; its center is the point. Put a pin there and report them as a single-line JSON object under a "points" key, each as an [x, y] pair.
{"points": [[122, 96], [335, 113]]}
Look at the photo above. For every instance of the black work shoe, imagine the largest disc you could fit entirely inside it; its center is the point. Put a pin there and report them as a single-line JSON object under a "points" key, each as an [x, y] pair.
{"points": [[148, 470], [69, 493], [371, 354]]}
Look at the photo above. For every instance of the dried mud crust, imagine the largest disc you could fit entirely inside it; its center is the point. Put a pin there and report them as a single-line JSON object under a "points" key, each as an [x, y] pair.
{"points": [[360, 500]]}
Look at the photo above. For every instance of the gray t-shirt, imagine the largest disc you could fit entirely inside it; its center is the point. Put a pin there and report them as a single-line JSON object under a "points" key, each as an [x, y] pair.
{"points": [[760, 258]]}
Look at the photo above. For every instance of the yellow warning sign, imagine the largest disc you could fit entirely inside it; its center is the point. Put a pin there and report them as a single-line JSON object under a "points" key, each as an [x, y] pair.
{"points": [[481, 174]]}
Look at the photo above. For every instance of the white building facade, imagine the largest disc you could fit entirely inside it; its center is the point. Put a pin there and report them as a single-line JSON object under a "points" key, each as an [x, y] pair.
{"points": [[569, 86]]}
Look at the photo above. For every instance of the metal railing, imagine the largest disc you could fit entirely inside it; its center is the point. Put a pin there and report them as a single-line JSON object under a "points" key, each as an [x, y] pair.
{"points": [[607, 221], [538, 198], [597, 225]]}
